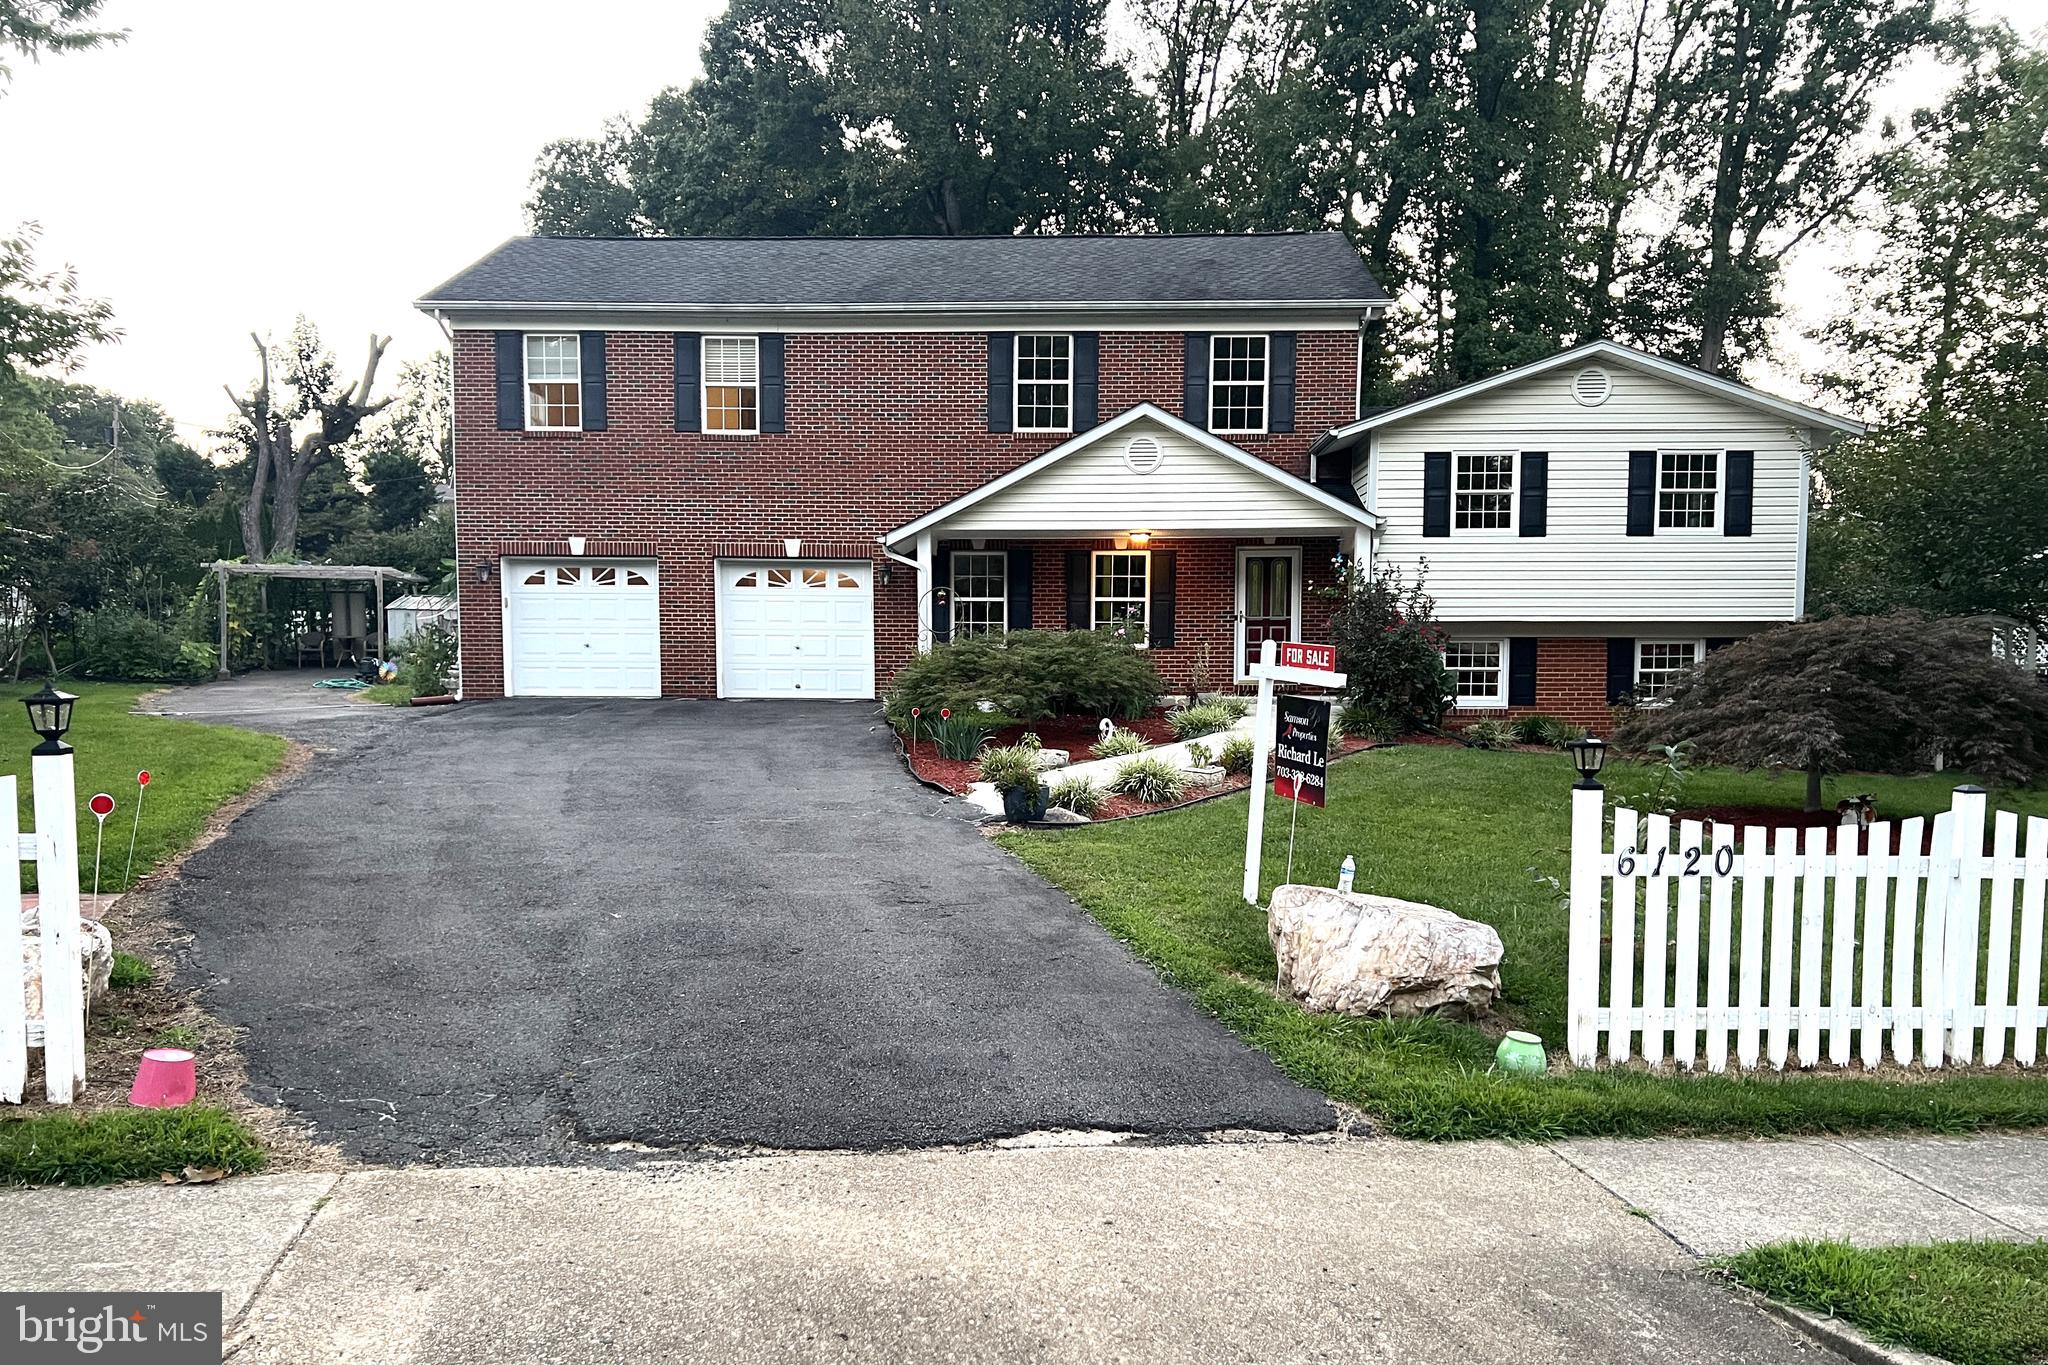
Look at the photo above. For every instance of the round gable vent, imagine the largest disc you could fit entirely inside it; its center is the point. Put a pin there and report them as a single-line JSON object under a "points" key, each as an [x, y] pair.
{"points": [[1591, 386], [1143, 455]]}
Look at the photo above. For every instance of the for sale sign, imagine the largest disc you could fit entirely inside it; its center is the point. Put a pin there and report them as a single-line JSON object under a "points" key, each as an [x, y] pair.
{"points": [[1301, 748], [1321, 658]]}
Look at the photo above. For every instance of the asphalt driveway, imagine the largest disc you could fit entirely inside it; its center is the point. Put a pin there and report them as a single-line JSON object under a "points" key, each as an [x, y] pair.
{"points": [[531, 930]]}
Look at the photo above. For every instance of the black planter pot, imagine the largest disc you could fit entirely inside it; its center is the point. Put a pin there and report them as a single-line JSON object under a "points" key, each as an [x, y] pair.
{"points": [[1021, 805]]}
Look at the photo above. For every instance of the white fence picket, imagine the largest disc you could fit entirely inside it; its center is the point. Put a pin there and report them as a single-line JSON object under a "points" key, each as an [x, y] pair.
{"points": [[2031, 898], [1827, 948], [1875, 884], [1685, 994], [1998, 945], [1755, 880], [1622, 993], [13, 985], [1718, 933]]}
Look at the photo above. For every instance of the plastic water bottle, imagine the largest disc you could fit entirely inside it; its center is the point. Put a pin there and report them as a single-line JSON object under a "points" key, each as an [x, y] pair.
{"points": [[1346, 873]]}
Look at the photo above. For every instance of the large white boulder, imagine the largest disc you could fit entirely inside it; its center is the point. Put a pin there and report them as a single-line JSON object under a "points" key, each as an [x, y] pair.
{"points": [[1345, 953]]}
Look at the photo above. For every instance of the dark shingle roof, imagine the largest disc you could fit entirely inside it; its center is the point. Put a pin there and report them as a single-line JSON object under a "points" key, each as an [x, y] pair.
{"points": [[711, 272]]}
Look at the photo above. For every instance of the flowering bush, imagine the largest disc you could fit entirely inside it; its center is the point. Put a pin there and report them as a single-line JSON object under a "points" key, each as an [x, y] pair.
{"points": [[1027, 675], [1390, 650]]}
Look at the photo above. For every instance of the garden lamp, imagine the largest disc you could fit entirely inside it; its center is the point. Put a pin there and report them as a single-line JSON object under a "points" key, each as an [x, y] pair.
{"points": [[49, 715], [1588, 756]]}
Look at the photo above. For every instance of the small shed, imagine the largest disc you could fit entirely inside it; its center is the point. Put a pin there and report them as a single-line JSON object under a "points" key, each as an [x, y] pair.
{"points": [[410, 612]]}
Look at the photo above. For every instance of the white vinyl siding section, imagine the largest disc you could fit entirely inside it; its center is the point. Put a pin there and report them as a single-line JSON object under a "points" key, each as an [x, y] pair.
{"points": [[1587, 568], [1191, 489]]}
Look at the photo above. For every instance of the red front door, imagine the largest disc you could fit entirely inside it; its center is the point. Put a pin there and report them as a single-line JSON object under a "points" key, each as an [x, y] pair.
{"points": [[1268, 601]]}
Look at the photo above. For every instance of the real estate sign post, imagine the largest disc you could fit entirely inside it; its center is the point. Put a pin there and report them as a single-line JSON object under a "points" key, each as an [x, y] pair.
{"points": [[1292, 662]]}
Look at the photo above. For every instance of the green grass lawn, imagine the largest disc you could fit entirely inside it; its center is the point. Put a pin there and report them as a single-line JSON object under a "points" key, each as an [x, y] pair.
{"points": [[193, 768], [1477, 833], [1975, 1303], [387, 694], [123, 1144]]}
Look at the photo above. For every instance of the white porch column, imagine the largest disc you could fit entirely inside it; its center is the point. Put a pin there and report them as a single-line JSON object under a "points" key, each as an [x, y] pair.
{"points": [[1358, 546], [924, 592]]}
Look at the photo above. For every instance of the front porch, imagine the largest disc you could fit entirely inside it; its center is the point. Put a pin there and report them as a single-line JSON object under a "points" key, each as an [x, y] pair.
{"points": [[1144, 524]]}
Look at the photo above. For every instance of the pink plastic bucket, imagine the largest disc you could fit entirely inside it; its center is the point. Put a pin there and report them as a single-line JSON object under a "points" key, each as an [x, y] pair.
{"points": [[165, 1079]]}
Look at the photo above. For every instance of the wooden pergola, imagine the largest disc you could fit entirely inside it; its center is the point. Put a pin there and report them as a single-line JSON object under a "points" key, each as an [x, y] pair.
{"points": [[380, 574]]}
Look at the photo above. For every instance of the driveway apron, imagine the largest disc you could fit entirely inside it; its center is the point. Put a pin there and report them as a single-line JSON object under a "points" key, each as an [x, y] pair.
{"points": [[539, 930]]}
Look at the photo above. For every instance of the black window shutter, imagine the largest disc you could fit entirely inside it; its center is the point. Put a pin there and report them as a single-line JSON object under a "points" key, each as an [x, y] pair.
{"points": [[1159, 622], [771, 349], [1017, 588], [1080, 590], [1621, 667], [1535, 493], [942, 596], [1522, 671], [689, 369], [1642, 493], [1194, 402], [1735, 518], [1280, 408], [1436, 493], [1719, 642], [591, 345], [1087, 379], [1002, 379], [511, 357]]}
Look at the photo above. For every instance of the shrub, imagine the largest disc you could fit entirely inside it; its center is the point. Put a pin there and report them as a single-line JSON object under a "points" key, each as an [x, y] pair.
{"points": [[1192, 722], [1010, 766], [429, 660], [1390, 650], [1151, 779], [1548, 731], [959, 735], [1490, 734], [1199, 755], [1238, 707], [1028, 675], [1079, 795], [122, 643], [1359, 723], [1236, 755], [1119, 743]]}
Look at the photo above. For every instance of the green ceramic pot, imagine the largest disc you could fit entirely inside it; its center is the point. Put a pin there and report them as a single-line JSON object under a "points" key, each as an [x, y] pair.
{"points": [[1521, 1052]]}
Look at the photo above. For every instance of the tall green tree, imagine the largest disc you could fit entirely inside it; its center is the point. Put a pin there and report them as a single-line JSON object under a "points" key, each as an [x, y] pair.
{"points": [[32, 27]]}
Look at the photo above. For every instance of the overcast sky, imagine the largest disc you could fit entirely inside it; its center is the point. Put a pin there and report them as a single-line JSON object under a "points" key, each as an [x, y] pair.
{"points": [[237, 162]]}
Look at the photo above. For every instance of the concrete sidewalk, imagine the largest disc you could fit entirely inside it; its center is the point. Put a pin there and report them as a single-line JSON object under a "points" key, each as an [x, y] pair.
{"points": [[1324, 1250]]}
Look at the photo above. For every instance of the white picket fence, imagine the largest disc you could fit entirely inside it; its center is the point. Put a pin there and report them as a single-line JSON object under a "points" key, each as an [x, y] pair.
{"points": [[1810, 948], [53, 848]]}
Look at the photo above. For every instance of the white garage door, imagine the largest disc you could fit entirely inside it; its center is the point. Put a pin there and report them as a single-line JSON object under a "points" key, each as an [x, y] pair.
{"points": [[582, 628], [796, 630]]}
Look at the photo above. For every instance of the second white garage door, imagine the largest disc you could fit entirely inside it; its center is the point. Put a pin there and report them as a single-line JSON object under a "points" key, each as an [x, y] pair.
{"points": [[796, 630], [575, 628]]}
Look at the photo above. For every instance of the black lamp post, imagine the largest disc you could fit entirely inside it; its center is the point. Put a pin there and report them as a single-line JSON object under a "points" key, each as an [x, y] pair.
{"points": [[1589, 756], [49, 715]]}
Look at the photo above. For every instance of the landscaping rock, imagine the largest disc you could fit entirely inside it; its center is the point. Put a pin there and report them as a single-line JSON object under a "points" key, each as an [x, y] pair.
{"points": [[96, 953], [1345, 953], [1060, 815], [1053, 758], [1205, 775]]}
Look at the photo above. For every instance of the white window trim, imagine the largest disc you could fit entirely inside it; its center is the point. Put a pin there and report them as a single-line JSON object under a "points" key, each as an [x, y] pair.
{"points": [[1017, 385], [1002, 557], [1712, 528], [1265, 386], [1144, 599], [704, 384], [1499, 700], [1245, 552], [1635, 677], [1514, 491], [526, 380]]}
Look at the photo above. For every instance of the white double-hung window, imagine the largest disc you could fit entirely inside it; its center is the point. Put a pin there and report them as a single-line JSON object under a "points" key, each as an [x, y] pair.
{"points": [[1662, 664], [732, 384], [1122, 590], [1478, 670], [1237, 383], [980, 603], [1483, 493], [1688, 489], [1045, 382], [554, 381]]}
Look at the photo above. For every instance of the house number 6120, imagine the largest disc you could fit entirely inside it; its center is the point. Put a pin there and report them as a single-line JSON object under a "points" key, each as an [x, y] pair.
{"points": [[1722, 866]]}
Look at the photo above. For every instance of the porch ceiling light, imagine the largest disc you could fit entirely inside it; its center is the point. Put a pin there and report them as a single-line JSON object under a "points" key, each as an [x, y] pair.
{"points": [[49, 715], [1140, 539], [1588, 756]]}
